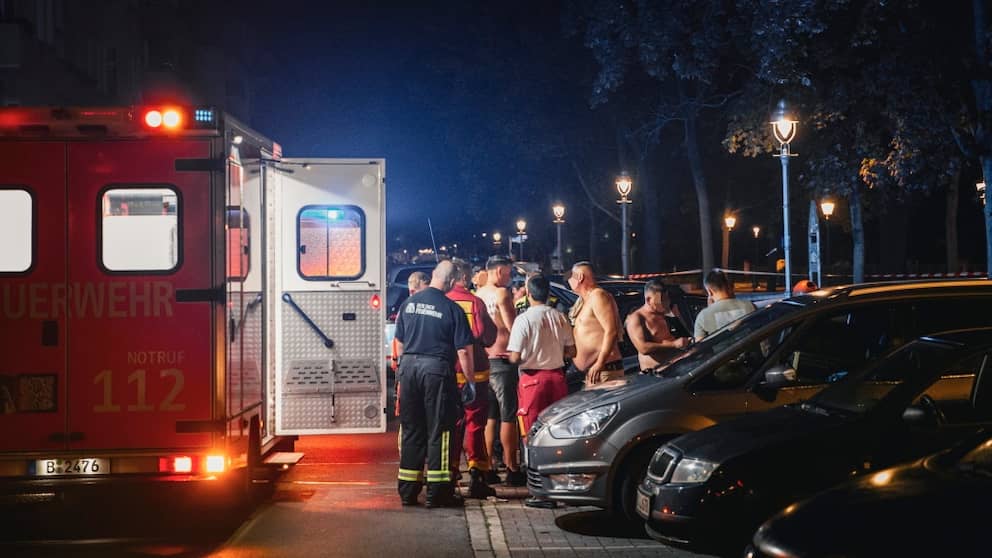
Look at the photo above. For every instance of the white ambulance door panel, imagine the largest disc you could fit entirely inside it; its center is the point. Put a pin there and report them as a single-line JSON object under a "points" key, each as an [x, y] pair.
{"points": [[330, 325]]}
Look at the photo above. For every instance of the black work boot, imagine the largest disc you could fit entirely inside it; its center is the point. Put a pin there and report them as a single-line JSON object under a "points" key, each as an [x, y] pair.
{"points": [[516, 478], [477, 487]]}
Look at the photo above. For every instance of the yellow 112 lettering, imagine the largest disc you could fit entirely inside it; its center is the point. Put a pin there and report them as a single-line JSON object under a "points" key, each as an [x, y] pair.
{"points": [[140, 403]]}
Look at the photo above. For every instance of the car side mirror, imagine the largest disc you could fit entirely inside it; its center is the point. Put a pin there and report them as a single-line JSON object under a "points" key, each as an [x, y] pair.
{"points": [[780, 375], [914, 414]]}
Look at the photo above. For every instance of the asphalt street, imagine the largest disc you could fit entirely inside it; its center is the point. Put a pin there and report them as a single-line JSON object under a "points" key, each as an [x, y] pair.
{"points": [[341, 500]]}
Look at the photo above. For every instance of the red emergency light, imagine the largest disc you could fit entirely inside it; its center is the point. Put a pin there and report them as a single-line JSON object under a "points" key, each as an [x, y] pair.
{"points": [[165, 118], [375, 302]]}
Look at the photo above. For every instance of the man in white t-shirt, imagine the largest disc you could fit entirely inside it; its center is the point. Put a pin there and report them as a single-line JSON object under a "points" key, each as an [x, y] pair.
{"points": [[540, 341], [724, 307]]}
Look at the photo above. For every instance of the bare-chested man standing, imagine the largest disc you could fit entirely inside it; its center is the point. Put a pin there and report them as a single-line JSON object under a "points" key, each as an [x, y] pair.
{"points": [[502, 374], [597, 329], [648, 329]]}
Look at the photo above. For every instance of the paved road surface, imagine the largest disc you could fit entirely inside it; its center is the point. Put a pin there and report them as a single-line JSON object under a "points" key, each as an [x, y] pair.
{"points": [[339, 501]]}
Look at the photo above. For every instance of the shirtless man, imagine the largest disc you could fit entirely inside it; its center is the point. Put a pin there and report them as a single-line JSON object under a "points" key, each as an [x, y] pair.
{"points": [[502, 374], [597, 329], [648, 329]]}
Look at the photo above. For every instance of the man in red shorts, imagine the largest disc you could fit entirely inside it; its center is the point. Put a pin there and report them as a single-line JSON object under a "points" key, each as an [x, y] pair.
{"points": [[540, 340]]}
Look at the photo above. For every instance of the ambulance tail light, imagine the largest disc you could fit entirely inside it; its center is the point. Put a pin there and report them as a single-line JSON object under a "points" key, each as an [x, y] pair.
{"points": [[182, 464], [375, 302], [215, 463]]}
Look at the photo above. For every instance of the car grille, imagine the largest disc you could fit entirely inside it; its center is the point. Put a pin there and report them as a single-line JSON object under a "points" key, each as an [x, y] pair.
{"points": [[534, 479], [661, 464]]}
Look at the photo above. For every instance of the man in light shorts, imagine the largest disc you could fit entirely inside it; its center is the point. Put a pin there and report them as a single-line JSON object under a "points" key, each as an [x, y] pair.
{"points": [[502, 373]]}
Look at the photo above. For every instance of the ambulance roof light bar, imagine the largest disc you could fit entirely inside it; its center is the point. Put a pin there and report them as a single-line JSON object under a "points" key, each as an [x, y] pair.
{"points": [[106, 121]]}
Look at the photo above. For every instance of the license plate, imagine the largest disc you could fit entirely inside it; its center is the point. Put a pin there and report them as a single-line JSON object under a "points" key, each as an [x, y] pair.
{"points": [[76, 466], [644, 505]]}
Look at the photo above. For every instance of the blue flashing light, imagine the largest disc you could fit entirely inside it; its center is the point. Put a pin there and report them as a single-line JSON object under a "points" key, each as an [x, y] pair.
{"points": [[203, 115]]}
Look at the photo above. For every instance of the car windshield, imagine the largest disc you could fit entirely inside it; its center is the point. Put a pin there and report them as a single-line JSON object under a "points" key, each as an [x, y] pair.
{"points": [[727, 337], [915, 366]]}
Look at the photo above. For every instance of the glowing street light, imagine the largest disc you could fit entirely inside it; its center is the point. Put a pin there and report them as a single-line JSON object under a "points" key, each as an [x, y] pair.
{"points": [[729, 221], [521, 236], [559, 212], [784, 127], [624, 186], [754, 278], [827, 206]]}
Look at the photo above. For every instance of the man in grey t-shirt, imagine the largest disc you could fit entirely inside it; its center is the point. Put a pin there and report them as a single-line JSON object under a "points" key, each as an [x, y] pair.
{"points": [[723, 308]]}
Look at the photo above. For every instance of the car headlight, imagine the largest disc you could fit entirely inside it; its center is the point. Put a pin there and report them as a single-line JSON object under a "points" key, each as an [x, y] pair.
{"points": [[585, 424], [692, 470]]}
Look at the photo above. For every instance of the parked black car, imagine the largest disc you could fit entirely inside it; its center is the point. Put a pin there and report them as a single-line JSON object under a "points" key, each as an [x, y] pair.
{"points": [[396, 288], [592, 448], [712, 488], [937, 506]]}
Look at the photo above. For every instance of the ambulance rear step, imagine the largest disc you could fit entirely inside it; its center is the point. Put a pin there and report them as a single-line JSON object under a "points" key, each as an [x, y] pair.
{"points": [[283, 459]]}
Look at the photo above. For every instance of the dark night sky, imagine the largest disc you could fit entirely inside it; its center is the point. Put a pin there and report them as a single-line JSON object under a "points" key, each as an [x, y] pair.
{"points": [[431, 88], [377, 80]]}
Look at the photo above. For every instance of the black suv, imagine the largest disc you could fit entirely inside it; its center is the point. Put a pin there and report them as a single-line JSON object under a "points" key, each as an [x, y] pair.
{"points": [[593, 447]]}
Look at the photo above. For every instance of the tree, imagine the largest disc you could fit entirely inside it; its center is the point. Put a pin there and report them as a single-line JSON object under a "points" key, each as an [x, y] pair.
{"points": [[874, 94], [683, 47]]}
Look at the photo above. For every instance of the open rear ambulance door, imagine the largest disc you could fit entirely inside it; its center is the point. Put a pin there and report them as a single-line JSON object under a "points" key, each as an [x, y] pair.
{"points": [[329, 323]]}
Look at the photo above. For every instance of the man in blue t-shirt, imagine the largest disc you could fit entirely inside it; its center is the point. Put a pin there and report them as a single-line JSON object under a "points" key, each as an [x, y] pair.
{"points": [[432, 332]]}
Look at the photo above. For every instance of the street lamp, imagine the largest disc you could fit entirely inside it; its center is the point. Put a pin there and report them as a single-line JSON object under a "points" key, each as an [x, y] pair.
{"points": [[497, 240], [729, 221], [521, 225], [827, 207], [559, 212], [754, 266], [624, 185], [785, 131]]}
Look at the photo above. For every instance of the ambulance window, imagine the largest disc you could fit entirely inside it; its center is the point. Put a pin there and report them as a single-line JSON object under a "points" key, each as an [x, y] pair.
{"points": [[238, 244], [16, 216], [140, 229], [330, 242]]}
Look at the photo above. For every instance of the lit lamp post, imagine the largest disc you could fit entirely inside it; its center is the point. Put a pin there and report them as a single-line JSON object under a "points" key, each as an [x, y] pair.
{"points": [[521, 225], [624, 185], [754, 267], [827, 207], [729, 221], [785, 131], [559, 212], [497, 240]]}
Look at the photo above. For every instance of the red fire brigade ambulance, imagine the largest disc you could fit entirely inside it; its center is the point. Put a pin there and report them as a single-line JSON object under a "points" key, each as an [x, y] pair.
{"points": [[177, 300]]}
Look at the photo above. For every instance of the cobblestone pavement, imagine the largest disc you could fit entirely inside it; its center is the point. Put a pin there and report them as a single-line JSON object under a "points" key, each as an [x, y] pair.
{"points": [[503, 527]]}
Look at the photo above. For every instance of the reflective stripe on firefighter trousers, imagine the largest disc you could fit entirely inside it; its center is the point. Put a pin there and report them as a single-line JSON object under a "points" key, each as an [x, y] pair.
{"points": [[444, 475], [411, 475]]}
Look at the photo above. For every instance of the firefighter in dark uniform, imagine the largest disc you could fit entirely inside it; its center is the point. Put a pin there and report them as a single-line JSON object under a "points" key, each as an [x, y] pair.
{"points": [[433, 332]]}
